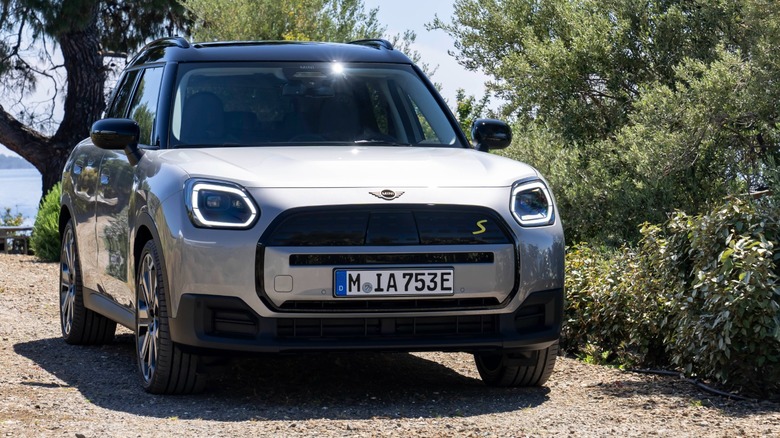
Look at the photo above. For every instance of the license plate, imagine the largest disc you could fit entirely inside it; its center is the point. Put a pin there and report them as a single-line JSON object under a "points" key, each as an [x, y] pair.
{"points": [[371, 283]]}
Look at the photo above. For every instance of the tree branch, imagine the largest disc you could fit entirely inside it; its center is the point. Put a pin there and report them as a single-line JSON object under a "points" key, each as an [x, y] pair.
{"points": [[28, 143], [15, 50]]}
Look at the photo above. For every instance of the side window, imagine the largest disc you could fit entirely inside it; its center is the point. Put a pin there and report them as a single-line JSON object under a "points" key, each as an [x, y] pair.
{"points": [[428, 134], [122, 98], [380, 109], [143, 109]]}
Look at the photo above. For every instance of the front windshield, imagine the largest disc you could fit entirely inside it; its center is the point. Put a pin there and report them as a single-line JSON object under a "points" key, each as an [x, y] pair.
{"points": [[257, 104]]}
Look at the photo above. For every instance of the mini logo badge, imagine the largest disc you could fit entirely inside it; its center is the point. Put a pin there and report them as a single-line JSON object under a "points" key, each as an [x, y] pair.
{"points": [[387, 195]]}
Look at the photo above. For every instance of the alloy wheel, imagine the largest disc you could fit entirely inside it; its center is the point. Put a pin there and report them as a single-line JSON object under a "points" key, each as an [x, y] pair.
{"points": [[147, 317], [67, 281]]}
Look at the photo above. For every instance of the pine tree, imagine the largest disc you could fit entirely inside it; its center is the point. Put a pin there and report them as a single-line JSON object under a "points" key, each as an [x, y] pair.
{"points": [[87, 33]]}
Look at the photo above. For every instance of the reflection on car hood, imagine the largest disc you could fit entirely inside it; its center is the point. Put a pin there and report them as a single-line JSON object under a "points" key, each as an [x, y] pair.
{"points": [[343, 166]]}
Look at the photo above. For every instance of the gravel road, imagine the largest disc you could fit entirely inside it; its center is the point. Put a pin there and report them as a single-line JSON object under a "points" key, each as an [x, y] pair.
{"points": [[48, 388]]}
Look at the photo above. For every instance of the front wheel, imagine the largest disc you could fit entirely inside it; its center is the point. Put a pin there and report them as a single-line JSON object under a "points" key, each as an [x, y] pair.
{"points": [[164, 367], [509, 369]]}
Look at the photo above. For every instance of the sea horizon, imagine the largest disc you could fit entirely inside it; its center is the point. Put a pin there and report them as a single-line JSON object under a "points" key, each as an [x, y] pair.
{"points": [[20, 190]]}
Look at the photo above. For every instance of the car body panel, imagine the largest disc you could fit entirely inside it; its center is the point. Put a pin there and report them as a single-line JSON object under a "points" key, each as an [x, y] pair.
{"points": [[350, 166]]}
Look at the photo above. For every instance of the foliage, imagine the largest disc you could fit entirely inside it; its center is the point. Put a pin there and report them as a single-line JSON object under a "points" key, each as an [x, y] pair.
{"points": [[468, 109], [8, 219], [295, 20], [45, 239], [68, 46], [647, 106], [299, 20], [699, 293], [120, 27], [726, 322]]}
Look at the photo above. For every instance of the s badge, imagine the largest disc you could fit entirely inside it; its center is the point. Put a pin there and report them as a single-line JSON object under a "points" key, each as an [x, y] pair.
{"points": [[481, 226]]}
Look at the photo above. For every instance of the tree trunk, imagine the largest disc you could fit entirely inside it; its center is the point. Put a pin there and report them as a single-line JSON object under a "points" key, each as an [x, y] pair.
{"points": [[84, 103]]}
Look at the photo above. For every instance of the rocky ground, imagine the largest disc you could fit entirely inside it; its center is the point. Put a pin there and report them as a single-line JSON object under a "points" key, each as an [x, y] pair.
{"points": [[48, 388]]}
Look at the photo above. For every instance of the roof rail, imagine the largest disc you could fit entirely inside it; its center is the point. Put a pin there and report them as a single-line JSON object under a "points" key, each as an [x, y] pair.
{"points": [[376, 43], [181, 42]]}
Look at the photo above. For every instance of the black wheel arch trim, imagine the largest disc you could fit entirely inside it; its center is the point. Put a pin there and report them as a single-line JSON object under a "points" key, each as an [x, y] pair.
{"points": [[145, 221]]}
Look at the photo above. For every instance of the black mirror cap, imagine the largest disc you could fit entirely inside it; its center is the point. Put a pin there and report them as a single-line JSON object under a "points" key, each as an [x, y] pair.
{"points": [[118, 134], [490, 134], [115, 134]]}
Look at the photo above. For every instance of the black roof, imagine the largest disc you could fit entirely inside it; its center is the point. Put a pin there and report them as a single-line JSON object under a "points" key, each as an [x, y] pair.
{"points": [[179, 50]]}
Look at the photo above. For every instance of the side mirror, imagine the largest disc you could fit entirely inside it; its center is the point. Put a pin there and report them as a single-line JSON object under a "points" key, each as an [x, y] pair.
{"points": [[118, 134], [490, 134]]}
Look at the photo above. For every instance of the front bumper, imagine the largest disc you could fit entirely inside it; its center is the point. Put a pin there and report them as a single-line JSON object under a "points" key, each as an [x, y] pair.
{"points": [[218, 324]]}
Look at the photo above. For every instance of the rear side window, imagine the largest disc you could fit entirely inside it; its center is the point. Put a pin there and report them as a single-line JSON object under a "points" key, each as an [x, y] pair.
{"points": [[118, 107], [144, 107]]}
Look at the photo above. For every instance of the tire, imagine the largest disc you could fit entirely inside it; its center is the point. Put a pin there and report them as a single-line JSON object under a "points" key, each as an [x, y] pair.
{"points": [[164, 367], [80, 326], [506, 369]]}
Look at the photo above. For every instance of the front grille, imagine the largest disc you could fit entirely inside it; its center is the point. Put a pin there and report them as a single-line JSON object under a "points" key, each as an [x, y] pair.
{"points": [[387, 225], [390, 259], [374, 305], [300, 328]]}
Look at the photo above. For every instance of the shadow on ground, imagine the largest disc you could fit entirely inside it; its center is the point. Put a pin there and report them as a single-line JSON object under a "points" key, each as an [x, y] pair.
{"points": [[282, 387]]}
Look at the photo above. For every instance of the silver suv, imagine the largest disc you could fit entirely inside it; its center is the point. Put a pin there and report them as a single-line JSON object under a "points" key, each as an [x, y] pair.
{"points": [[278, 197]]}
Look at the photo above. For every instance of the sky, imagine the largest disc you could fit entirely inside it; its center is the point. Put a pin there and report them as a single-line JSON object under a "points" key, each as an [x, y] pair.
{"points": [[401, 15]]}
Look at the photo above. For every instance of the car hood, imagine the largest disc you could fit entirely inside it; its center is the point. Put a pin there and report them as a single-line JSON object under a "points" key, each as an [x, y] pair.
{"points": [[342, 166]]}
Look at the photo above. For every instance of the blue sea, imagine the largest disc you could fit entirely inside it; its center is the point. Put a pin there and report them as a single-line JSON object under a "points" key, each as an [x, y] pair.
{"points": [[20, 190]]}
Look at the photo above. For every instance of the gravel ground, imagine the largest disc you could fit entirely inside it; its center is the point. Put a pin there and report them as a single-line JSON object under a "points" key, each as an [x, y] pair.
{"points": [[48, 388]]}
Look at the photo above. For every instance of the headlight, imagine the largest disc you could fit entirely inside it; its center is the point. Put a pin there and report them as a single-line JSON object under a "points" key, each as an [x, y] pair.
{"points": [[532, 204], [214, 204]]}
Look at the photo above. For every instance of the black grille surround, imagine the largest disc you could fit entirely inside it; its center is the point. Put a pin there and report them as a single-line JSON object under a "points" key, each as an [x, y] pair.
{"points": [[390, 259], [338, 226]]}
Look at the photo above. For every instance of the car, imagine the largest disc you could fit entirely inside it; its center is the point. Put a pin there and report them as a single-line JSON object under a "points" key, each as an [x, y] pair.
{"points": [[271, 197]]}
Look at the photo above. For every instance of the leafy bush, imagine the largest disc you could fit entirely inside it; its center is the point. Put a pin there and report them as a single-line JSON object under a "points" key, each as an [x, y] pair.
{"points": [[699, 293], [613, 306], [45, 239], [726, 320], [9, 219]]}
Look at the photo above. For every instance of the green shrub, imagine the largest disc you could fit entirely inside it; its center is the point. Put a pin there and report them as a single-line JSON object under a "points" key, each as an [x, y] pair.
{"points": [[613, 308], [726, 320], [9, 219], [699, 293], [45, 239]]}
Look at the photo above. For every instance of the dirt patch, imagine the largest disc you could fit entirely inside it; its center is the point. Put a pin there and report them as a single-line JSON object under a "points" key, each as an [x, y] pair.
{"points": [[49, 388]]}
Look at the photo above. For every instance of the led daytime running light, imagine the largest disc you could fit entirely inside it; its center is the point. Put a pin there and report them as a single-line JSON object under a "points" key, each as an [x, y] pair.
{"points": [[533, 220], [199, 217]]}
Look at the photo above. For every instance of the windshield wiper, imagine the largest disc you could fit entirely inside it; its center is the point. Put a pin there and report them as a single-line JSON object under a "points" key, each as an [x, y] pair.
{"points": [[207, 145], [381, 142]]}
